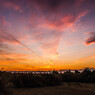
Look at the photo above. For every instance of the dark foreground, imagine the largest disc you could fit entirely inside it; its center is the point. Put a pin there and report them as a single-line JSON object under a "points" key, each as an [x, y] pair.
{"points": [[64, 89]]}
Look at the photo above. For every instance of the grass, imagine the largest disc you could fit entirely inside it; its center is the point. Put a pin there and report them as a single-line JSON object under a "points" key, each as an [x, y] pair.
{"points": [[64, 89]]}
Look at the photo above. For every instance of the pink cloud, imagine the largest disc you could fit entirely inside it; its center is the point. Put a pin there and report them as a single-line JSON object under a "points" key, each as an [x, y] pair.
{"points": [[4, 22], [51, 45], [13, 5], [54, 27], [6, 38], [50, 48], [46, 23]]}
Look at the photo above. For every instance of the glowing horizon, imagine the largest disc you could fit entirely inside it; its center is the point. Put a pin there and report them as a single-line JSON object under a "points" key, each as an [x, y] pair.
{"points": [[47, 34]]}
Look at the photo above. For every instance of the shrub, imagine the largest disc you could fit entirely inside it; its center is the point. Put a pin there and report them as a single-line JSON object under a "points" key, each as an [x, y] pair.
{"points": [[4, 84]]}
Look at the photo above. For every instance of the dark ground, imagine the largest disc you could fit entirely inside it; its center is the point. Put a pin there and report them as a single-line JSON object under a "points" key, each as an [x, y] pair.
{"points": [[64, 89]]}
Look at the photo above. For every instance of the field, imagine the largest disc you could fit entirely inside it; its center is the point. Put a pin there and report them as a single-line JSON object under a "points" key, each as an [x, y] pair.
{"points": [[64, 89], [48, 84]]}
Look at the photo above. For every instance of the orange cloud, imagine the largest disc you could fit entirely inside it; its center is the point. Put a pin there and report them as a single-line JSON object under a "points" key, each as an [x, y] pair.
{"points": [[87, 58]]}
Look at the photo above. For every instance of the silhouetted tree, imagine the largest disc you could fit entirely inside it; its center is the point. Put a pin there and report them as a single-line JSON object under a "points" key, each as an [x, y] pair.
{"points": [[55, 72]]}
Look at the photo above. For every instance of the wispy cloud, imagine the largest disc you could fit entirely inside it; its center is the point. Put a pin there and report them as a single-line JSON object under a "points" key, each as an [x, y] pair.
{"points": [[87, 58], [17, 41]]}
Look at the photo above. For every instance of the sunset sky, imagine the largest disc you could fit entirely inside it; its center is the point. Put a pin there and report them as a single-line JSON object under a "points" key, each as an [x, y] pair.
{"points": [[47, 34]]}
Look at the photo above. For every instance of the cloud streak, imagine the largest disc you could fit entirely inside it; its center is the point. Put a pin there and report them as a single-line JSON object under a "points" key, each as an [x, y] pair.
{"points": [[17, 41]]}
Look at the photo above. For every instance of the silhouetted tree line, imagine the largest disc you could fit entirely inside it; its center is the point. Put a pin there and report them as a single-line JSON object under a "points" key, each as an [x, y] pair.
{"points": [[35, 80], [87, 76], [23, 80]]}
